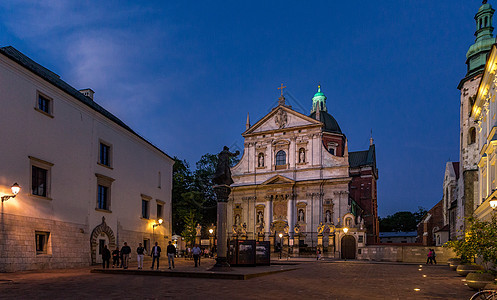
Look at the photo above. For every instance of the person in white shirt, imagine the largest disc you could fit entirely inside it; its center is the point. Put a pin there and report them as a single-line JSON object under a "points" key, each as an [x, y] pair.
{"points": [[155, 255]]}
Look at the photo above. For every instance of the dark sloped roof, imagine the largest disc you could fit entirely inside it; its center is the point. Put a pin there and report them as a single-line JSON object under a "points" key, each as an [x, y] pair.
{"points": [[54, 79], [363, 158], [330, 124]]}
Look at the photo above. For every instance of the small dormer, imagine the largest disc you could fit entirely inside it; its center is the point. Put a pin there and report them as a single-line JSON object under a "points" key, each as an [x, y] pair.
{"points": [[88, 93]]}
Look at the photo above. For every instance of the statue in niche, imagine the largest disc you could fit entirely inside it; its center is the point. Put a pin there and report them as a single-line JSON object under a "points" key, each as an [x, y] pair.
{"points": [[361, 223], [327, 218], [261, 160], [237, 219], [223, 172], [301, 155], [198, 229], [301, 216], [260, 217], [320, 228]]}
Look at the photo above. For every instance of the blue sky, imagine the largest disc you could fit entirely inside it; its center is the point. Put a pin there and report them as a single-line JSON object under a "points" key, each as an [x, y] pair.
{"points": [[184, 74]]}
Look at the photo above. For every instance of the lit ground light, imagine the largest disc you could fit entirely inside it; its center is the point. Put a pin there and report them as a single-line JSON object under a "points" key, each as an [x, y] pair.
{"points": [[417, 290], [420, 269], [424, 275]]}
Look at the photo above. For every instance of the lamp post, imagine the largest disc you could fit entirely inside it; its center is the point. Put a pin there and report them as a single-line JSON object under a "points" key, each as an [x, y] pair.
{"points": [[15, 188], [155, 225], [211, 239], [281, 243]]}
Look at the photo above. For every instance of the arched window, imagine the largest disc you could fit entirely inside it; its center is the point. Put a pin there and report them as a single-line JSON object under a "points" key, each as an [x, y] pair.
{"points": [[471, 136], [281, 158]]}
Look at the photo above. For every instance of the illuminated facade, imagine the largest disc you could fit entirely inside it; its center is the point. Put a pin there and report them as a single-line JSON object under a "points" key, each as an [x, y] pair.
{"points": [[297, 178], [87, 179], [484, 112], [468, 182]]}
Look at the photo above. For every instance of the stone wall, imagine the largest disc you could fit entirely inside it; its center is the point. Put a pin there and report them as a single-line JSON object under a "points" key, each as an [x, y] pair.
{"points": [[68, 244], [400, 253]]}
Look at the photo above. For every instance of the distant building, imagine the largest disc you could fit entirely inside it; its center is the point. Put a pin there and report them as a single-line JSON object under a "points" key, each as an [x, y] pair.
{"points": [[400, 237], [87, 179], [297, 178], [431, 223], [450, 212]]}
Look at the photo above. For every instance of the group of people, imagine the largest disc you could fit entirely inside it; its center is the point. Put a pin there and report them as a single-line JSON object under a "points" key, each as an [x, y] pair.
{"points": [[120, 258], [431, 257]]}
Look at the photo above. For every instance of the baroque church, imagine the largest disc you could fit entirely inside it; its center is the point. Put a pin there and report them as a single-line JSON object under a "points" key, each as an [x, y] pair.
{"points": [[299, 187]]}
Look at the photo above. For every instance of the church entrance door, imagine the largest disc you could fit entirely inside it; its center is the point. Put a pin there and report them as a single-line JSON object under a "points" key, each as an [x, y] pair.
{"points": [[348, 247], [103, 240]]}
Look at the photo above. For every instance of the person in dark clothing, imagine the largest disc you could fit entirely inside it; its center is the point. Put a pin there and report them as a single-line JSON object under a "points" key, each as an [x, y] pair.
{"points": [[155, 253], [433, 255], [125, 251], [115, 257], [171, 252], [105, 257]]}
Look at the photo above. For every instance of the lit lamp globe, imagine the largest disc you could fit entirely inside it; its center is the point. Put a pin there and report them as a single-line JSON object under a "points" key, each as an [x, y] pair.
{"points": [[493, 203], [15, 188], [211, 231], [280, 235], [345, 230], [160, 221]]}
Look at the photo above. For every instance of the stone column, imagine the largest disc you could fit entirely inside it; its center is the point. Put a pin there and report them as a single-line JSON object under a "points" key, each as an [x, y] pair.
{"points": [[222, 193]]}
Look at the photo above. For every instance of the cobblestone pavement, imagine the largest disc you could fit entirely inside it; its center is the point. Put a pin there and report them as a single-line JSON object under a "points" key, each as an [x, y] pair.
{"points": [[312, 280]]}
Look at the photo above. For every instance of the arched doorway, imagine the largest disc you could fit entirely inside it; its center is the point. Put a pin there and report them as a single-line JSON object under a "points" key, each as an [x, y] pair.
{"points": [[100, 236], [348, 247]]}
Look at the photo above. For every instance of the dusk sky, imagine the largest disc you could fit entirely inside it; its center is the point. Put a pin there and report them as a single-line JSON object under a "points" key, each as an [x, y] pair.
{"points": [[184, 74]]}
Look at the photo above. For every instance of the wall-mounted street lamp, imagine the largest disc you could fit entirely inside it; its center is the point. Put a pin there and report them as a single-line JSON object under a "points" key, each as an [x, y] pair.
{"points": [[155, 225], [211, 231], [15, 190], [345, 230], [493, 203]]}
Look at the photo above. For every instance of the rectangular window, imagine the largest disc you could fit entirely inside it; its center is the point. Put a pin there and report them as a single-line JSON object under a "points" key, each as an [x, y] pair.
{"points": [[104, 184], [146, 244], [40, 177], [103, 197], [145, 209], [38, 181], [104, 154], [160, 207], [42, 242], [361, 239], [44, 104]]}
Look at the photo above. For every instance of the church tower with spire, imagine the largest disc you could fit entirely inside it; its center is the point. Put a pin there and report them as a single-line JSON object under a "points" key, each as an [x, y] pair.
{"points": [[476, 58]]}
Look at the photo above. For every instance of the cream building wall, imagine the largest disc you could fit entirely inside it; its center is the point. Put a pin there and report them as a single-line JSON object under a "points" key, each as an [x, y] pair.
{"points": [[484, 112], [66, 142]]}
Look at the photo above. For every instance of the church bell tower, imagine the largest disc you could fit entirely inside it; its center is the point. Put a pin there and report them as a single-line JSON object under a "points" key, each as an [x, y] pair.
{"points": [[476, 58]]}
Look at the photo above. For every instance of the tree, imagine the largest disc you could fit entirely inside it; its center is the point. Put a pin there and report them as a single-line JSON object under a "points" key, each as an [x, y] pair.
{"points": [[189, 232], [402, 221]]}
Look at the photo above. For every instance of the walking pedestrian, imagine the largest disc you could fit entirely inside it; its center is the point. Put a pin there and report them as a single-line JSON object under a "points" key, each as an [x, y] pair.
{"points": [[196, 255], [105, 257], [125, 251], [429, 260], [139, 255], [115, 258], [155, 255], [433, 255], [318, 254], [171, 252]]}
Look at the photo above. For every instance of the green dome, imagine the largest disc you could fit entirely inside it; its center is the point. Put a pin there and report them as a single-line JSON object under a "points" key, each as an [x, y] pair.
{"points": [[319, 100]]}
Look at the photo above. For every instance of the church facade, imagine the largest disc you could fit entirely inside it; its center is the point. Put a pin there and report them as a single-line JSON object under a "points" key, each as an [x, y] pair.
{"points": [[298, 186]]}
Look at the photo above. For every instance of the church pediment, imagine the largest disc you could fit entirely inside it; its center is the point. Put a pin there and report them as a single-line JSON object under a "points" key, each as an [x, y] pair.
{"points": [[280, 118], [278, 179]]}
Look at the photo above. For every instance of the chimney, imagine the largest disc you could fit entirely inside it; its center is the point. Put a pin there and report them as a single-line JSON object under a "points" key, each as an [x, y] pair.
{"points": [[88, 93]]}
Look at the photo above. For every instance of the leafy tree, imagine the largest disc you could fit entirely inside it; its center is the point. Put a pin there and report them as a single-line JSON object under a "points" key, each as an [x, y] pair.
{"points": [[402, 221], [189, 232]]}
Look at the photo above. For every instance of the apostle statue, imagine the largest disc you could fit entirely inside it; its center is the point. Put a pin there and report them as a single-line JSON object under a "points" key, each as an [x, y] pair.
{"points": [[296, 230], [223, 172], [320, 228], [198, 229]]}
